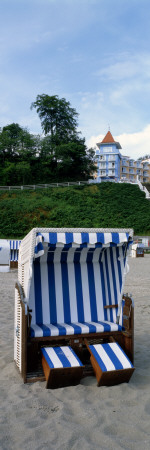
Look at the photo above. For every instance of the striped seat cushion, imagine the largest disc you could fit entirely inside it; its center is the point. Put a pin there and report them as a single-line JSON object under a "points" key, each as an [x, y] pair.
{"points": [[62, 329], [110, 357], [61, 357]]}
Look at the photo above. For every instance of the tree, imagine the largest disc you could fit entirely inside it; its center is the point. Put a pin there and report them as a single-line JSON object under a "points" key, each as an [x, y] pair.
{"points": [[62, 147], [57, 117], [16, 142]]}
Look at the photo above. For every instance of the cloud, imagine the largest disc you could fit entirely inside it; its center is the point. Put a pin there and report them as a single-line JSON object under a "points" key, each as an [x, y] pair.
{"points": [[125, 66], [134, 145]]}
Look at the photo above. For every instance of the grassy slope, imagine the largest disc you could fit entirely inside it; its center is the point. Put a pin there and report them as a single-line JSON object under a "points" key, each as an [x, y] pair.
{"points": [[103, 205]]}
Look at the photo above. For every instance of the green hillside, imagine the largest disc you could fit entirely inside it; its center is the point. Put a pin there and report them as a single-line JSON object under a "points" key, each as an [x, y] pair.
{"points": [[100, 205]]}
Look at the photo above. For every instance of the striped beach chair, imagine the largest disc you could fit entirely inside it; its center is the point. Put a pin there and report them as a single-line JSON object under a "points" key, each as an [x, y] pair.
{"points": [[14, 253], [70, 288]]}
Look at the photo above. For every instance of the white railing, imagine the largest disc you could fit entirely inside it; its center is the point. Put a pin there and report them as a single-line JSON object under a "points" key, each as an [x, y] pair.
{"points": [[45, 186], [143, 188]]}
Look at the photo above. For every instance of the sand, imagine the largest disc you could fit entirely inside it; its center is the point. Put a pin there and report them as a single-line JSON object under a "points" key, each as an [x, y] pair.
{"points": [[85, 416]]}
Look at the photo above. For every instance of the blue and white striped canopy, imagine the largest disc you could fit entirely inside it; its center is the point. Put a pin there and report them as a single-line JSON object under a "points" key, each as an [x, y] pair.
{"points": [[80, 240], [14, 249]]}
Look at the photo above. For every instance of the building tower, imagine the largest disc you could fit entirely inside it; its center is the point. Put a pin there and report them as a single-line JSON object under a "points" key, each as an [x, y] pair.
{"points": [[108, 159]]}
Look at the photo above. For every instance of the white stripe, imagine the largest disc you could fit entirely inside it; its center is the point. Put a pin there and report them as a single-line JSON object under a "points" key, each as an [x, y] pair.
{"points": [[54, 330], [61, 237], [69, 328], [37, 330], [92, 238], [98, 292], [45, 292], [122, 237], [77, 238], [120, 355], [46, 237], [32, 299], [107, 238], [96, 255], [54, 358], [69, 355], [85, 291], [105, 358], [72, 286], [83, 256]]}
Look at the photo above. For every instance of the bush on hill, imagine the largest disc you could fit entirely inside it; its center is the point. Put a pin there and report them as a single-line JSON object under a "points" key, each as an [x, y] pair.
{"points": [[101, 205]]}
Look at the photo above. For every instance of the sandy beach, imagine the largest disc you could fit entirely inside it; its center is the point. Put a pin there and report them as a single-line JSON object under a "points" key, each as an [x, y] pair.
{"points": [[84, 416]]}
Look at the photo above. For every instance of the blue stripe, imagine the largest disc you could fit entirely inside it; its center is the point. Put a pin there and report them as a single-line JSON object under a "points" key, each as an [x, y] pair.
{"points": [[100, 238], [49, 361], [38, 291], [77, 328], [53, 238], [32, 332], [77, 255], [119, 268], [114, 280], [98, 358], [103, 287], [62, 330], [64, 360], [92, 328], [79, 294], [65, 289], [85, 237], [45, 329], [92, 293], [52, 292], [113, 357], [89, 258], [115, 238], [38, 248], [69, 238]]}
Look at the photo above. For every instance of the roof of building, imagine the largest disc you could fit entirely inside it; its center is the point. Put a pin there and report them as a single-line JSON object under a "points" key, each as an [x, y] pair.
{"points": [[108, 139]]}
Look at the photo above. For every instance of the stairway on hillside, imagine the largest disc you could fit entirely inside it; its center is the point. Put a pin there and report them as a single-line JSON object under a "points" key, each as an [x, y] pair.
{"points": [[147, 185]]}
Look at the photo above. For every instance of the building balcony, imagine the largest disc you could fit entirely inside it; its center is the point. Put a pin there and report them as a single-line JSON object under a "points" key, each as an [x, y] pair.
{"points": [[145, 173], [125, 163], [102, 173], [111, 165], [145, 166], [111, 158], [111, 172], [102, 157], [102, 165]]}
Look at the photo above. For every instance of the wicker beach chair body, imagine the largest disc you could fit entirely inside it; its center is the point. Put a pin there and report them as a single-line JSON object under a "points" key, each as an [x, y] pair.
{"points": [[70, 290]]}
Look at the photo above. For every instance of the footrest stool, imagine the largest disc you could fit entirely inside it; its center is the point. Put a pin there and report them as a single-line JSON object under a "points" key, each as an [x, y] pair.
{"points": [[110, 364], [61, 366]]}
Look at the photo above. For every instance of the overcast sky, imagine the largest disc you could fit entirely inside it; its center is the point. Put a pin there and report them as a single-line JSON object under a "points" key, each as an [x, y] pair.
{"points": [[95, 53]]}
